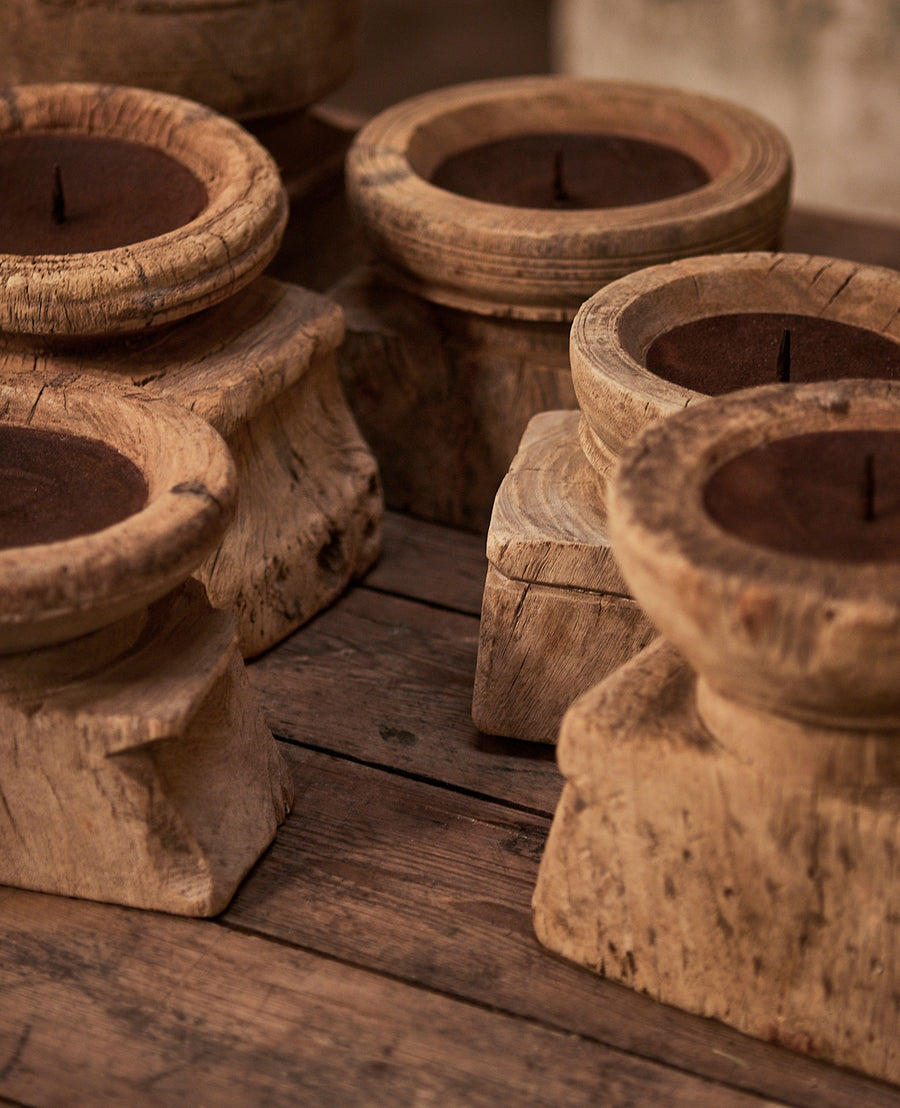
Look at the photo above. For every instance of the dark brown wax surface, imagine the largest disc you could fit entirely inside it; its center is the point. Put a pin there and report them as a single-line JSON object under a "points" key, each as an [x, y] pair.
{"points": [[808, 495], [570, 171], [723, 353], [116, 193], [56, 486]]}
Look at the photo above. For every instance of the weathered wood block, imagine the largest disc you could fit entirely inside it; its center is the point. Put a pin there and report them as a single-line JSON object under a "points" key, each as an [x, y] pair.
{"points": [[556, 615], [726, 838], [144, 776]]}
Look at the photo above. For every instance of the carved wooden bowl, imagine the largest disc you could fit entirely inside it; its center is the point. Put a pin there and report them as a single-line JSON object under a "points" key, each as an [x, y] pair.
{"points": [[539, 263], [241, 57], [55, 590], [616, 328], [232, 236], [780, 602]]}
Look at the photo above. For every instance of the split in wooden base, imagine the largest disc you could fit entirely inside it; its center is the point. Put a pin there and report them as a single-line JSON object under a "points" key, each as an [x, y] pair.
{"points": [[135, 764], [556, 615], [261, 369], [756, 888]]}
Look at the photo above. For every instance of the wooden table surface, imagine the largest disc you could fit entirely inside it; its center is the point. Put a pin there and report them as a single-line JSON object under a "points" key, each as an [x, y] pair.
{"points": [[381, 952]]}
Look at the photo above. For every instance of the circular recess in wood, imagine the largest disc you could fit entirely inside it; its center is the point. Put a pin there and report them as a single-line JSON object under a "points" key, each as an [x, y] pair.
{"points": [[160, 278], [240, 57], [56, 591], [542, 263], [813, 636], [617, 328]]}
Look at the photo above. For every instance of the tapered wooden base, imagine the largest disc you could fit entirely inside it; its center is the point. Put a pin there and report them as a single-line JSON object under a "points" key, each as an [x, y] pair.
{"points": [[751, 877], [556, 615], [135, 764], [443, 395], [261, 369]]}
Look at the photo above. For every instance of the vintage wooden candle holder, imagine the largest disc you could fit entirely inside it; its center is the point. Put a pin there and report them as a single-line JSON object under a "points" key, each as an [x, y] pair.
{"points": [[256, 357], [557, 616], [488, 212], [241, 57], [135, 764], [726, 838]]}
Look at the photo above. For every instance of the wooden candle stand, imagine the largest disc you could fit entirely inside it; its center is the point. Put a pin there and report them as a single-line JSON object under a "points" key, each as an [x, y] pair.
{"points": [[258, 361], [548, 542], [459, 335], [135, 764], [244, 59], [725, 841]]}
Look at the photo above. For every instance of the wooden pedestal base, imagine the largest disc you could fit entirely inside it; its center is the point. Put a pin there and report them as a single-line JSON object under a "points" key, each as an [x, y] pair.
{"points": [[261, 369], [443, 396], [556, 615], [751, 877], [135, 765]]}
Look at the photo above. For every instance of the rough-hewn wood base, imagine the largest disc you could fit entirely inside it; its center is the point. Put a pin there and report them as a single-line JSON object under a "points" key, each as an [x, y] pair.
{"points": [[443, 396], [135, 764], [724, 882], [556, 615], [261, 369]]}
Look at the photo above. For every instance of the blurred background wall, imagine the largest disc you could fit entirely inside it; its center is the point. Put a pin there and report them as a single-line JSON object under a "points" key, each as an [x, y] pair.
{"points": [[826, 71]]}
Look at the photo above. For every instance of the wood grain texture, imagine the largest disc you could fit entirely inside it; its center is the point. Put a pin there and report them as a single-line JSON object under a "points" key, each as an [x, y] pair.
{"points": [[542, 646], [80, 584], [255, 1021], [148, 778], [556, 615], [241, 57], [811, 638], [538, 264], [712, 879], [348, 881], [614, 329], [424, 561], [443, 396], [392, 678], [161, 279], [261, 369]]}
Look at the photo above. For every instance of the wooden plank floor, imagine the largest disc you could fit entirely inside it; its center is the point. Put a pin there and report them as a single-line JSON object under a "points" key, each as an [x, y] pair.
{"points": [[382, 951]]}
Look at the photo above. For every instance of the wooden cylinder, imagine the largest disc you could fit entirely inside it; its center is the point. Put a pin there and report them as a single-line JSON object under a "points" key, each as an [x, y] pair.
{"points": [[165, 277], [616, 327], [540, 264], [241, 57]]}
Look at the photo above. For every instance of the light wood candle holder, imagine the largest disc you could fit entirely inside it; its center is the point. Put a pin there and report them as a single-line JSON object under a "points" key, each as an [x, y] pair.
{"points": [[136, 766], [726, 838], [258, 360], [460, 333], [557, 616]]}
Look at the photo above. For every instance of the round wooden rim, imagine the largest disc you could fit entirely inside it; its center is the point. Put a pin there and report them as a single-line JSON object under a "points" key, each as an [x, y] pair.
{"points": [[160, 279], [56, 591], [614, 329], [829, 633], [541, 264]]}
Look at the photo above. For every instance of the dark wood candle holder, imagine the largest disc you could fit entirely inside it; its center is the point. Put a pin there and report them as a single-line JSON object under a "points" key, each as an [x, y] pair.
{"points": [[459, 335], [557, 615], [725, 841], [258, 361], [135, 763], [245, 59]]}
